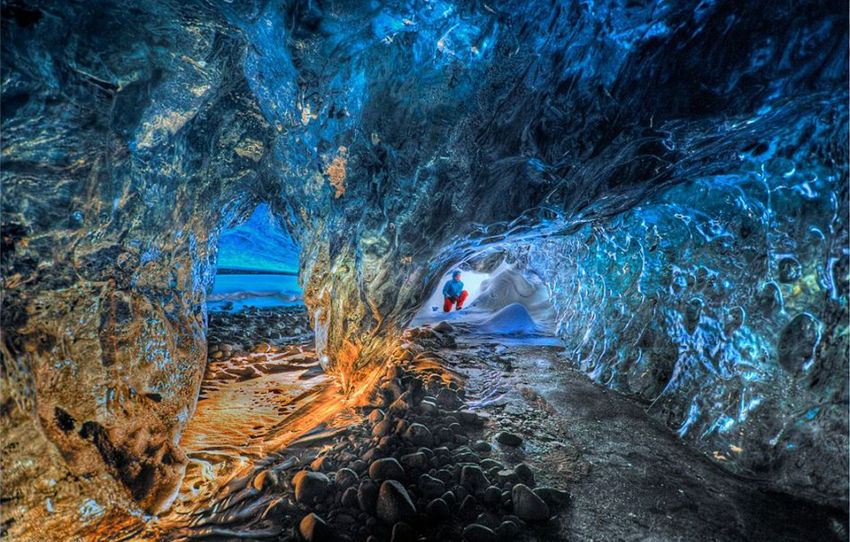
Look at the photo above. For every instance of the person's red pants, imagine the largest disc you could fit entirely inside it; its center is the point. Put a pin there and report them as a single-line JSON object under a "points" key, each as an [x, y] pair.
{"points": [[447, 304]]}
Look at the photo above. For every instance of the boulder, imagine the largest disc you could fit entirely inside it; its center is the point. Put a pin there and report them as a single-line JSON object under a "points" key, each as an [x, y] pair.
{"points": [[527, 505], [476, 532], [394, 504], [310, 486], [314, 529], [387, 468]]}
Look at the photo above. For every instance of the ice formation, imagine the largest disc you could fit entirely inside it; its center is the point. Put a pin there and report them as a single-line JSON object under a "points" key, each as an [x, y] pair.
{"points": [[675, 173]]}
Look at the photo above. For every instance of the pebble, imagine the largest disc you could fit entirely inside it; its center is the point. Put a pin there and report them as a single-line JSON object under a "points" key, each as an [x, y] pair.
{"points": [[430, 486], [467, 508], [507, 476], [310, 486], [438, 509], [314, 529], [482, 446], [382, 428], [402, 404], [508, 439], [349, 497], [525, 473], [429, 408], [475, 532], [552, 496], [492, 496], [376, 416], [527, 505], [402, 532], [367, 495], [489, 464], [346, 478], [444, 327], [387, 468], [473, 478], [418, 435], [450, 498], [265, 479], [507, 529], [415, 461], [447, 398], [470, 418], [394, 503]]}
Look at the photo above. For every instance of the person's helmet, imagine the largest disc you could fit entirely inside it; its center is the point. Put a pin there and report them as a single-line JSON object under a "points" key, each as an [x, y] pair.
{"points": [[456, 273]]}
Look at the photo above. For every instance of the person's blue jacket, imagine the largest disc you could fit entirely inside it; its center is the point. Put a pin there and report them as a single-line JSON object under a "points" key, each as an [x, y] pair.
{"points": [[453, 288]]}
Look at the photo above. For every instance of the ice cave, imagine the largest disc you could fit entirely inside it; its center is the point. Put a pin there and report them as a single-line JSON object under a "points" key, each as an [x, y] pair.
{"points": [[424, 270]]}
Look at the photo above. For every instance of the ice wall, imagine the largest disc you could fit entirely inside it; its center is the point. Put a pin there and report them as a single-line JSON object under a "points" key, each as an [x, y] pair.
{"points": [[722, 303], [130, 137]]}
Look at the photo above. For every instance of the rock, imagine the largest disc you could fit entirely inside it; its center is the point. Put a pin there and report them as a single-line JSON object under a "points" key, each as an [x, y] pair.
{"points": [[488, 519], [392, 389], [418, 435], [467, 508], [475, 532], [429, 408], [507, 476], [349, 497], [310, 486], [415, 461], [469, 417], [482, 446], [508, 439], [394, 504], [525, 473], [445, 436], [444, 327], [473, 478], [401, 405], [467, 456], [322, 463], [387, 468], [450, 498], [367, 496], [507, 530], [314, 529], [493, 496], [447, 398], [402, 532], [346, 478], [431, 486], [264, 480], [382, 428], [489, 464], [438, 509], [528, 506], [552, 496], [376, 416]]}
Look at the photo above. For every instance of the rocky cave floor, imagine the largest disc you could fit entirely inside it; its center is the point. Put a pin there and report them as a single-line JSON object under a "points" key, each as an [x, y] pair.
{"points": [[462, 439]]}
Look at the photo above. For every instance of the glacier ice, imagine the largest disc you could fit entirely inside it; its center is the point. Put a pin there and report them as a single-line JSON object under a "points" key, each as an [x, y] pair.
{"points": [[675, 173]]}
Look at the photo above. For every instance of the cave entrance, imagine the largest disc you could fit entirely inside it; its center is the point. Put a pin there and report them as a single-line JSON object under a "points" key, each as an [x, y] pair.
{"points": [[257, 266], [256, 301], [504, 305], [263, 388]]}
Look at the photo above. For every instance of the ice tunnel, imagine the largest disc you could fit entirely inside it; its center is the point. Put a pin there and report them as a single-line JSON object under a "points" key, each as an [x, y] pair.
{"points": [[226, 225]]}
